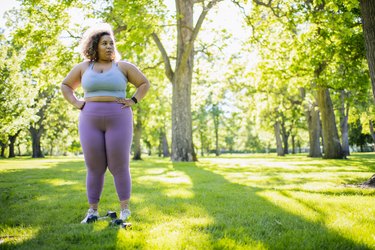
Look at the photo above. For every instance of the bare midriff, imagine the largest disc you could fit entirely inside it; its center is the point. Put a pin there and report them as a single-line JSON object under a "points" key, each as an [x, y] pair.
{"points": [[101, 99]]}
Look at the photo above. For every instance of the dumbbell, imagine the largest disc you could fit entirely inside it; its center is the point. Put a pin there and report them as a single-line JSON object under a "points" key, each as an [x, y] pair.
{"points": [[118, 222], [110, 214], [93, 218]]}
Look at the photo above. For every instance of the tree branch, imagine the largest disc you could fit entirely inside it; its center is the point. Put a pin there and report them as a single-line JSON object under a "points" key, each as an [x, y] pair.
{"points": [[152, 67], [120, 28], [72, 36], [248, 21], [185, 56], [167, 64], [269, 5]]}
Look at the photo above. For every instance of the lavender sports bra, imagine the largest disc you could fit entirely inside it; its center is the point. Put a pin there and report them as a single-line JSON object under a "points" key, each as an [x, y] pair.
{"points": [[109, 83]]}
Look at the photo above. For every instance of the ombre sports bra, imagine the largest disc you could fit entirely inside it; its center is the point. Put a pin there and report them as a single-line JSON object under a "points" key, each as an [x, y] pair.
{"points": [[109, 83]]}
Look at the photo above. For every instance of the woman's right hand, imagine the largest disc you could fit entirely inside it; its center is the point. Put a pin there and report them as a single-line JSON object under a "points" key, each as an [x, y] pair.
{"points": [[80, 104]]}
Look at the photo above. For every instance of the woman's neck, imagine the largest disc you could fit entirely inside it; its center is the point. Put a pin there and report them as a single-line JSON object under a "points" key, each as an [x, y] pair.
{"points": [[103, 61]]}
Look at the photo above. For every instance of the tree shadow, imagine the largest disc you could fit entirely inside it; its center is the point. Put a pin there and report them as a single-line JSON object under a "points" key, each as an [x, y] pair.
{"points": [[46, 205], [242, 217], [239, 215]]}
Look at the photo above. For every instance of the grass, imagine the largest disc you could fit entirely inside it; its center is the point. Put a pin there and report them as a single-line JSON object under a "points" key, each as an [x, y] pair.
{"points": [[231, 202]]}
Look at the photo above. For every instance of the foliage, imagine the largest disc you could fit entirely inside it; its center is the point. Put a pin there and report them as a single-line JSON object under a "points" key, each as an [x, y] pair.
{"points": [[16, 93], [253, 84]]}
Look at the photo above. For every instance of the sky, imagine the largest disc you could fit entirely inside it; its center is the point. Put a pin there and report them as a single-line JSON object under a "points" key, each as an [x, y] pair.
{"points": [[224, 16], [6, 5]]}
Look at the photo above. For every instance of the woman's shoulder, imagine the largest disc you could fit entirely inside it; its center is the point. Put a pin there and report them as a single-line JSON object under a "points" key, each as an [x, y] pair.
{"points": [[125, 64], [126, 67], [83, 65]]}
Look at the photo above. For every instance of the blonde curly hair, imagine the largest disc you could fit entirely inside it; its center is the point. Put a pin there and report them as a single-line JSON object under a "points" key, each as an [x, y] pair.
{"points": [[90, 41]]}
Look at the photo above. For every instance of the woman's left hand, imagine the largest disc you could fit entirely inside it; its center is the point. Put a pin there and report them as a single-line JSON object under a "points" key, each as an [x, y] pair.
{"points": [[126, 101]]}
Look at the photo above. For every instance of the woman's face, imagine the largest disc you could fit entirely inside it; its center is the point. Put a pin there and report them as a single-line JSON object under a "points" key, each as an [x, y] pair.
{"points": [[106, 48]]}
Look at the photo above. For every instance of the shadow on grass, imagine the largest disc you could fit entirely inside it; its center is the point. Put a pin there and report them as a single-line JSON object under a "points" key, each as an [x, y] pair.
{"points": [[41, 209], [243, 218], [49, 203]]}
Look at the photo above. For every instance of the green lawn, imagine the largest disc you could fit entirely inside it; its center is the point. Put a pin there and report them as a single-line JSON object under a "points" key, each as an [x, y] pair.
{"points": [[231, 202]]}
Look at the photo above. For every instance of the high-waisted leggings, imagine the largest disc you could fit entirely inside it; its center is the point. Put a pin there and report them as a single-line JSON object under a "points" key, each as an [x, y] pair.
{"points": [[106, 134]]}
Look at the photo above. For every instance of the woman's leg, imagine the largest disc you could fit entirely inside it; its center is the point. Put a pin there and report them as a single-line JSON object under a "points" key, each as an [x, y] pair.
{"points": [[93, 146], [118, 139]]}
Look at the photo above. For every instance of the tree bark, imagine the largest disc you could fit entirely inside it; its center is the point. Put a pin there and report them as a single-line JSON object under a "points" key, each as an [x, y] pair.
{"points": [[164, 144], [279, 144], [293, 144], [181, 79], [137, 136], [371, 124], [202, 142], [149, 147], [182, 135], [368, 21], [215, 116], [285, 137], [166, 152], [36, 135], [313, 124], [331, 141], [3, 147], [315, 131], [12, 140], [344, 114]]}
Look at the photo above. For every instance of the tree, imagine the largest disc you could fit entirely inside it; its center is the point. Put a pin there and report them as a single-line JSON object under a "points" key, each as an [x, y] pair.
{"points": [[368, 20], [312, 116], [15, 113], [181, 76], [40, 23]]}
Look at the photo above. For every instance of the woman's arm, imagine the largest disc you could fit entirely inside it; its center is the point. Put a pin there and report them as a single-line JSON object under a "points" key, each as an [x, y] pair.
{"points": [[70, 83], [137, 78]]}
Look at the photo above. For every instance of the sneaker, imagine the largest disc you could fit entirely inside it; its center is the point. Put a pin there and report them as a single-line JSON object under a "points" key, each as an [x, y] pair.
{"points": [[124, 214], [90, 213]]}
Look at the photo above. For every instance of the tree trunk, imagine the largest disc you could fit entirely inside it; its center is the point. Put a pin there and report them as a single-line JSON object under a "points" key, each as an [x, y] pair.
{"points": [[202, 143], [293, 144], [181, 120], [36, 135], [51, 149], [285, 137], [279, 144], [137, 136], [368, 20], [215, 116], [3, 147], [344, 114], [315, 131], [149, 148], [182, 136], [331, 141], [12, 140], [313, 124], [372, 132], [164, 144], [299, 146]]}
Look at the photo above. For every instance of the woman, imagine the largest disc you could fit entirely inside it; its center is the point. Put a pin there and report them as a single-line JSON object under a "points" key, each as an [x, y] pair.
{"points": [[105, 121]]}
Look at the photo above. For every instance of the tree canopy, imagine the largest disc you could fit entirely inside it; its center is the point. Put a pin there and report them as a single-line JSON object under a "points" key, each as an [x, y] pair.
{"points": [[289, 77]]}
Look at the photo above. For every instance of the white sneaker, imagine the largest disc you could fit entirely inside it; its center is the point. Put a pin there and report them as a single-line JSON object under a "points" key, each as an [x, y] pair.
{"points": [[91, 212], [124, 214]]}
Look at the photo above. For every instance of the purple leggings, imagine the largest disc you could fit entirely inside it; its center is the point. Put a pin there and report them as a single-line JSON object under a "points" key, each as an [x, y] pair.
{"points": [[106, 134]]}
